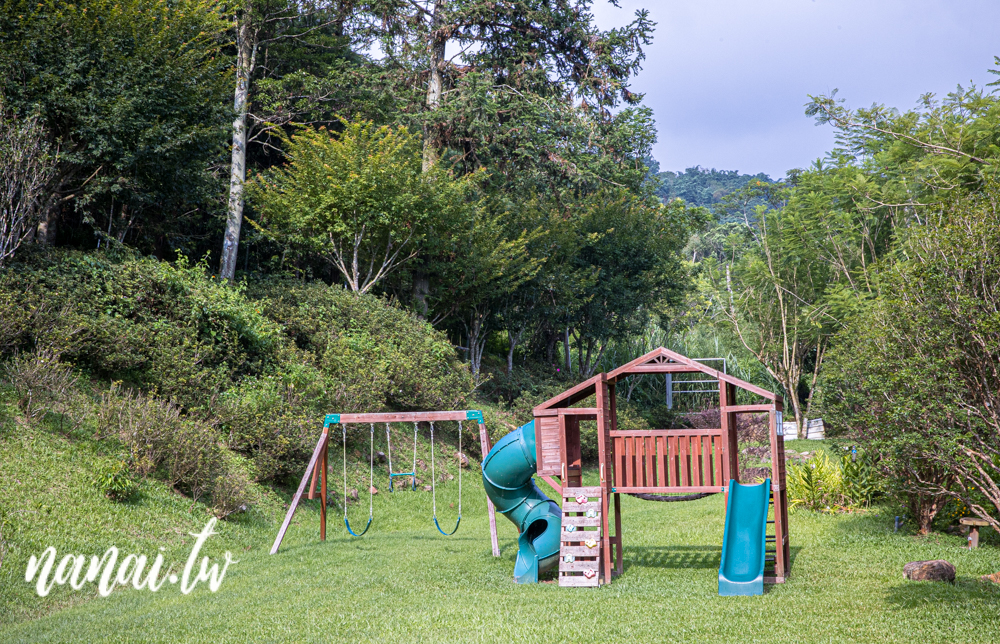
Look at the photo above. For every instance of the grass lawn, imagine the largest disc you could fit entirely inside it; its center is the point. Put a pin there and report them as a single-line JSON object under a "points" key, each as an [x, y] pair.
{"points": [[405, 582]]}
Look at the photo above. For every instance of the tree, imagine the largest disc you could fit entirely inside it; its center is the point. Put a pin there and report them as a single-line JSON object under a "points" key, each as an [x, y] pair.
{"points": [[26, 167], [358, 199], [256, 25], [130, 93], [915, 373]]}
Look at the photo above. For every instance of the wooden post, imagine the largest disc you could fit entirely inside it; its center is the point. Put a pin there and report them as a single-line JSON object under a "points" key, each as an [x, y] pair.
{"points": [[613, 459], [605, 464], [782, 559], [322, 487], [484, 442], [317, 451]]}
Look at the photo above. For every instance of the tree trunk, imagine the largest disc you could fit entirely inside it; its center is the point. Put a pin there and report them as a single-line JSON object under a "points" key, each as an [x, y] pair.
{"points": [[245, 60], [568, 364], [435, 85], [477, 343]]}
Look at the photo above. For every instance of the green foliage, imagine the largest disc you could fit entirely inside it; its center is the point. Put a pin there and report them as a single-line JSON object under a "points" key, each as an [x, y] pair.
{"points": [[134, 92], [358, 199], [912, 374], [700, 187], [364, 354], [116, 481], [169, 328], [38, 379], [827, 483]]}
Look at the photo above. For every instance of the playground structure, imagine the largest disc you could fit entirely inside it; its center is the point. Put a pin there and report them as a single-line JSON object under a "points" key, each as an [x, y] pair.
{"points": [[690, 462], [318, 468], [657, 464]]}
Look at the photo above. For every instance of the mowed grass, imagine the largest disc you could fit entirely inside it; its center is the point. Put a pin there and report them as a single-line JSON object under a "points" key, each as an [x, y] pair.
{"points": [[403, 581]]}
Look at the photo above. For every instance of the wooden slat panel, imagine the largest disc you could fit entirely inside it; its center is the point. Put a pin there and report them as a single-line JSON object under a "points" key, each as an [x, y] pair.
{"points": [[573, 506], [684, 443], [549, 446], [581, 522], [706, 460]]}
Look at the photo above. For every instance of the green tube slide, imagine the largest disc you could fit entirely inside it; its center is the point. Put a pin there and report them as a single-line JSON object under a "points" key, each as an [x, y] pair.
{"points": [[741, 571], [507, 472]]}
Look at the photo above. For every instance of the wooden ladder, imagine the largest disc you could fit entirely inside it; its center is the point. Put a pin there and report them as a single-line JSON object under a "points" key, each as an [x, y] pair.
{"points": [[580, 537]]}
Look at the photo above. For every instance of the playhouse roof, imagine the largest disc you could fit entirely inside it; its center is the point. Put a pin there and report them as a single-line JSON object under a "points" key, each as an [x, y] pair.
{"points": [[660, 360]]}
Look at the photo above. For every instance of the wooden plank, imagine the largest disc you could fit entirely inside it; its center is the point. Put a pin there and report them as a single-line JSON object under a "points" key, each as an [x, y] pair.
{"points": [[684, 444], [578, 581], [629, 460], [686, 489], [672, 465], [571, 396], [322, 501], [743, 409], [619, 444], [661, 460], [579, 411], [706, 460], [662, 368], [484, 444], [579, 565], [320, 446], [553, 483], [640, 460], [573, 492], [696, 460], [650, 458], [667, 432], [573, 506], [403, 417], [578, 551], [620, 560], [582, 522], [717, 448]]}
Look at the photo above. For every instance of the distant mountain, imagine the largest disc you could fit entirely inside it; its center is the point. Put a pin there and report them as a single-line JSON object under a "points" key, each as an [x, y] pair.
{"points": [[700, 187]]}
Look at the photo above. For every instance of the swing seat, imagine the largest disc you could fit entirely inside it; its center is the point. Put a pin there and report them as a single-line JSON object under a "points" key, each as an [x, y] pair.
{"points": [[359, 534], [413, 483]]}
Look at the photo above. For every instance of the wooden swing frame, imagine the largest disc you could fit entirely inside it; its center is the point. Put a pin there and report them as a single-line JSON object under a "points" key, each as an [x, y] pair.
{"points": [[318, 467]]}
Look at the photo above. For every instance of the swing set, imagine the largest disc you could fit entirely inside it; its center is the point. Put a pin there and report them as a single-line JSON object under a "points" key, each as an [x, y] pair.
{"points": [[318, 468]]}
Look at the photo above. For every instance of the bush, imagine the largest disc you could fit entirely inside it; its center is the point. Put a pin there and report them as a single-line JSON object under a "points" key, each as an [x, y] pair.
{"points": [[158, 326], [38, 379], [371, 355], [825, 483], [116, 481]]}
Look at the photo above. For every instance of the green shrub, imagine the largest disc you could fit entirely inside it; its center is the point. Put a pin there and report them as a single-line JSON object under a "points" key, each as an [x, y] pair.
{"points": [[116, 481], [372, 355], [38, 380], [825, 483], [163, 327]]}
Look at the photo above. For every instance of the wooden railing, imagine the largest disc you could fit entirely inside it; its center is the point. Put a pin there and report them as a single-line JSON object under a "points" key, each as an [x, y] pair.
{"points": [[669, 460]]}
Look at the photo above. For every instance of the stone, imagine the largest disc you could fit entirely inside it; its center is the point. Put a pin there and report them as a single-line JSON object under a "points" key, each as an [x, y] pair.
{"points": [[463, 460], [418, 481], [934, 570], [379, 457], [352, 494], [428, 488], [373, 490]]}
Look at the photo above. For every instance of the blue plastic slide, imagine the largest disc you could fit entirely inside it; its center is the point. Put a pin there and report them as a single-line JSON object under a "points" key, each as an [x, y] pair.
{"points": [[507, 472], [741, 571]]}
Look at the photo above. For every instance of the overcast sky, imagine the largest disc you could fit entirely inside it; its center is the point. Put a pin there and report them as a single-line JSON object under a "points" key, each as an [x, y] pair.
{"points": [[727, 79]]}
